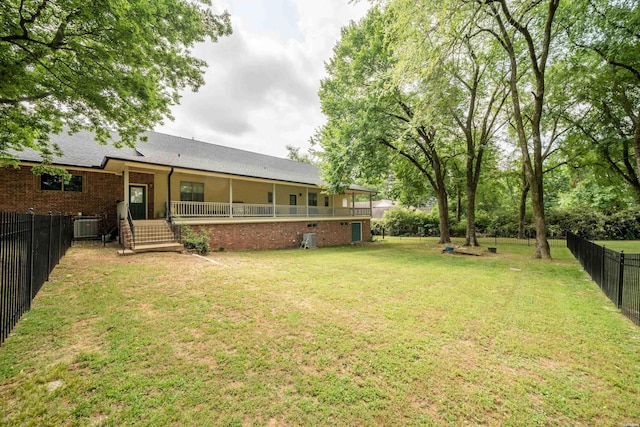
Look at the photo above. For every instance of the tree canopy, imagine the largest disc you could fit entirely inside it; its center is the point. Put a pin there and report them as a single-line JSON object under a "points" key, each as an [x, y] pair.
{"points": [[374, 118], [429, 91], [99, 65]]}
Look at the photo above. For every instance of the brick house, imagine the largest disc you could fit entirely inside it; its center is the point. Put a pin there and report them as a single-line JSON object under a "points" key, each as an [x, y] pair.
{"points": [[243, 200]]}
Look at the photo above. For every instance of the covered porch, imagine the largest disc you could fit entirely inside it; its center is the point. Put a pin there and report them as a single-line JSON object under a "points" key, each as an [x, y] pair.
{"points": [[188, 196]]}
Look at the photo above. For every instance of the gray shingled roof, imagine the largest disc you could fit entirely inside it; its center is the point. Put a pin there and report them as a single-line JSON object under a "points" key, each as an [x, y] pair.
{"points": [[81, 150]]}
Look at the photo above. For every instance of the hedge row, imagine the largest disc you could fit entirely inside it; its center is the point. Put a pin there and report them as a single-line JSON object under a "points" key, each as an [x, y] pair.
{"points": [[588, 223]]}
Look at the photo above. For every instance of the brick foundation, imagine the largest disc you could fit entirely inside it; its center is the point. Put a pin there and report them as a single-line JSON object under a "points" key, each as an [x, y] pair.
{"points": [[280, 235]]}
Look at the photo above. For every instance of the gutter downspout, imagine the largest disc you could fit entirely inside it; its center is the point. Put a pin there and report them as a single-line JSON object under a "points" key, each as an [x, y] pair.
{"points": [[169, 194]]}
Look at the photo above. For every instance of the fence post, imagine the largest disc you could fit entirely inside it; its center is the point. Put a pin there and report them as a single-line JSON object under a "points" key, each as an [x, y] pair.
{"points": [[31, 253], [620, 279], [603, 263], [59, 238], [49, 244]]}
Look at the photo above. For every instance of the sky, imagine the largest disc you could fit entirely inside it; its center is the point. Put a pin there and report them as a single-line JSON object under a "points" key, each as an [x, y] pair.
{"points": [[262, 82]]}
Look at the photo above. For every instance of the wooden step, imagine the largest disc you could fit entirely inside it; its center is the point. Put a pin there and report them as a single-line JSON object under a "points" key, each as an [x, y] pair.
{"points": [[159, 247], [149, 222], [154, 235], [165, 247]]}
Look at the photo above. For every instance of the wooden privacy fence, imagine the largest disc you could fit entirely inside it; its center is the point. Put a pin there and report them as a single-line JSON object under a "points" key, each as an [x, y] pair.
{"points": [[617, 273], [30, 247]]}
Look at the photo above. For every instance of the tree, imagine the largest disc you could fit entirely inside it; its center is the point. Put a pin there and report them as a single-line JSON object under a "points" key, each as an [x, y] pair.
{"points": [[448, 78], [480, 76], [604, 72], [371, 117], [526, 34], [293, 153], [98, 65]]}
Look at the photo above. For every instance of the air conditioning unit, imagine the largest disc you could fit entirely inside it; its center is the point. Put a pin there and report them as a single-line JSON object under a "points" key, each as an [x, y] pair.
{"points": [[308, 241], [86, 227]]}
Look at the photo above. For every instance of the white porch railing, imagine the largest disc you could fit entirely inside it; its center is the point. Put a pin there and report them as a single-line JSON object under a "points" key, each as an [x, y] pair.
{"points": [[245, 209], [250, 210], [199, 209]]}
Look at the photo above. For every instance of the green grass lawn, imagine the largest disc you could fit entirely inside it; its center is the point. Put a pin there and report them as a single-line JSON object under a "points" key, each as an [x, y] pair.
{"points": [[628, 246], [389, 333]]}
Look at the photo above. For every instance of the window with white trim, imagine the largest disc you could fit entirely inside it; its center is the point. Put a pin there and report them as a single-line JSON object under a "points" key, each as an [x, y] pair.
{"points": [[191, 191]]}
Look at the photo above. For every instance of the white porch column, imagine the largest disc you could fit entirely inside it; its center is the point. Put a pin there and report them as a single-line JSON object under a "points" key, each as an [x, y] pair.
{"points": [[353, 204], [307, 196], [370, 204], [230, 197], [333, 205], [274, 199], [126, 186]]}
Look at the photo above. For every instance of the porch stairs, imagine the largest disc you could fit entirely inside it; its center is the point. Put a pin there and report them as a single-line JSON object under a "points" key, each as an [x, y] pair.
{"points": [[150, 236]]}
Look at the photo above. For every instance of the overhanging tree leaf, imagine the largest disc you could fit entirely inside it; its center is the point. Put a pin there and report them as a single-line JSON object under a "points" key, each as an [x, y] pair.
{"points": [[99, 65], [604, 73]]}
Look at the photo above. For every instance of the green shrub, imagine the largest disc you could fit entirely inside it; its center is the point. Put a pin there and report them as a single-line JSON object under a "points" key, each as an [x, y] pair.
{"points": [[428, 223], [458, 230], [483, 220], [623, 225], [586, 222], [400, 221], [196, 241], [377, 226]]}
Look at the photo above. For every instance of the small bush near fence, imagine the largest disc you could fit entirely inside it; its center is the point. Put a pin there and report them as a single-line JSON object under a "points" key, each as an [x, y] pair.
{"points": [[30, 247]]}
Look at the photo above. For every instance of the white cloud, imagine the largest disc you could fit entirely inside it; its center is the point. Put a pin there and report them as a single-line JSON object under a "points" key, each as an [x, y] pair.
{"points": [[262, 82]]}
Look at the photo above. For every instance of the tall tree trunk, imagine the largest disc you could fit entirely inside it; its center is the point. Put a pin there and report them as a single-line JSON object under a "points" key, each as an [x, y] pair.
{"points": [[470, 238], [538, 62], [443, 215], [473, 177], [522, 213], [537, 201]]}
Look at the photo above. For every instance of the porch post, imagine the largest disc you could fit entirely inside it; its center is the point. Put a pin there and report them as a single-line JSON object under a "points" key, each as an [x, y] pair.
{"points": [[307, 196], [274, 200], [353, 204], [168, 213], [370, 204], [230, 198], [333, 205], [126, 186]]}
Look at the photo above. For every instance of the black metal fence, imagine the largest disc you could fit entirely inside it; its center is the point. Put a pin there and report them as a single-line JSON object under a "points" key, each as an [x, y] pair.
{"points": [[30, 247], [617, 273]]}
